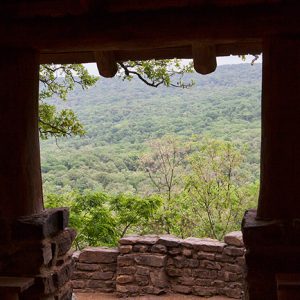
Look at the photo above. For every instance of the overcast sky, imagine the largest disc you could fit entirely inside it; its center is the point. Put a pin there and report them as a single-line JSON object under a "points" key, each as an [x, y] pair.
{"points": [[225, 60]]}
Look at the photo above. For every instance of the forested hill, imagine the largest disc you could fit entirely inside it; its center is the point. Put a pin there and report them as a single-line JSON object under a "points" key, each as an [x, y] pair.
{"points": [[120, 116]]}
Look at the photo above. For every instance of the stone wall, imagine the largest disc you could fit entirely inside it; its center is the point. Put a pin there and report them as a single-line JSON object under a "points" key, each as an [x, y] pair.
{"points": [[161, 264], [37, 247]]}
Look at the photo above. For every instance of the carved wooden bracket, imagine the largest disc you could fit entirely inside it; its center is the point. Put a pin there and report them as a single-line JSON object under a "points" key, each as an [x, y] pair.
{"points": [[106, 63], [204, 56]]}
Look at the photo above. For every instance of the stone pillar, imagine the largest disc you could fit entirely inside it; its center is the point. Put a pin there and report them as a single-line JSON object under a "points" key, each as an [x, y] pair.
{"points": [[20, 172], [272, 233]]}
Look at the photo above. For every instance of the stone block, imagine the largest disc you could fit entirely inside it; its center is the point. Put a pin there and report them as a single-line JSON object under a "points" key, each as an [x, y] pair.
{"points": [[29, 259], [124, 249], [210, 265], [206, 255], [218, 283], [108, 267], [208, 245], [127, 260], [102, 275], [204, 291], [147, 239], [122, 279], [140, 248], [126, 270], [234, 251], [129, 240], [77, 275], [87, 267], [182, 289], [159, 278], [169, 241], [173, 271], [142, 270], [234, 238], [159, 249], [63, 274], [175, 251], [225, 258], [203, 282], [151, 260], [42, 225], [233, 293], [187, 281], [127, 289], [187, 252], [64, 241], [205, 274], [98, 255], [142, 280], [153, 290], [233, 268], [79, 284]]}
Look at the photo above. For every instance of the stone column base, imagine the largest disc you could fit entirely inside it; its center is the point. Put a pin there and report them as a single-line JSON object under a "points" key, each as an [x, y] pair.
{"points": [[272, 248], [38, 246]]}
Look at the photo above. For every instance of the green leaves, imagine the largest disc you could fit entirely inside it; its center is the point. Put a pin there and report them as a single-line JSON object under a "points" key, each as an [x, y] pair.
{"points": [[102, 219], [58, 81], [168, 72]]}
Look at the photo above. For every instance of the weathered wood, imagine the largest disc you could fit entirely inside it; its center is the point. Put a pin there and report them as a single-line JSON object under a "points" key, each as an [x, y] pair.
{"points": [[106, 63], [205, 59], [280, 150], [152, 29], [20, 173], [251, 47], [52, 8]]}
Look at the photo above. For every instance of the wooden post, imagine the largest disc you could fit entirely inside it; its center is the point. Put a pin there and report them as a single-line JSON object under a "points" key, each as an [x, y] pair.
{"points": [[280, 149], [20, 173], [205, 60], [106, 63]]}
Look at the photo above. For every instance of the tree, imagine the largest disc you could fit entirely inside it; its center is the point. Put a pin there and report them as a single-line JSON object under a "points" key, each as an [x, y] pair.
{"points": [[164, 166], [102, 219], [59, 80], [217, 191]]}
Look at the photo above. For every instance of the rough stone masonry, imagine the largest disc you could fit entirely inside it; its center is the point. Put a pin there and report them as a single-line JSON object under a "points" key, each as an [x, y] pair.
{"points": [[164, 264]]}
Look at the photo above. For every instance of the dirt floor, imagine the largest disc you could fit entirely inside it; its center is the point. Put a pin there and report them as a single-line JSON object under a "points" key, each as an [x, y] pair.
{"points": [[97, 296]]}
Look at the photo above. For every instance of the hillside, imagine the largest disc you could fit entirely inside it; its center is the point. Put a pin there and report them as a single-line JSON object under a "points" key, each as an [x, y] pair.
{"points": [[120, 117]]}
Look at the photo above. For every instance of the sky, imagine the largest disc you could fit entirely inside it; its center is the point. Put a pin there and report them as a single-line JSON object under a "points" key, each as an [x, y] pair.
{"points": [[224, 60]]}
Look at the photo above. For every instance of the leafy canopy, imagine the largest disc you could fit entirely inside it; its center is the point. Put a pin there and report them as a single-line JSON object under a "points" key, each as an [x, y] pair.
{"points": [[59, 80]]}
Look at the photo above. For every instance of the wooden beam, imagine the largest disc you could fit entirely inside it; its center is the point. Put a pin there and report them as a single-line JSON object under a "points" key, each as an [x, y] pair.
{"points": [[20, 168], [184, 52], [133, 31], [205, 59], [106, 63], [280, 147]]}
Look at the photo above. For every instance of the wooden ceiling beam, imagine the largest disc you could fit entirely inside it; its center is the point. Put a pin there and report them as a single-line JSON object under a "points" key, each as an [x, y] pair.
{"points": [[171, 28], [184, 52]]}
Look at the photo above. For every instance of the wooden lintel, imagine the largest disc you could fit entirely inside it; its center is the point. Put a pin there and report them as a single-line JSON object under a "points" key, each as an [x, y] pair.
{"points": [[205, 59], [184, 52], [151, 29], [106, 63]]}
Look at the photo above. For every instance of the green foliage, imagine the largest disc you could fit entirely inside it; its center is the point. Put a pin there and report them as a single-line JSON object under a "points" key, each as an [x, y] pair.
{"points": [[101, 219], [126, 127], [168, 72], [217, 190], [58, 81]]}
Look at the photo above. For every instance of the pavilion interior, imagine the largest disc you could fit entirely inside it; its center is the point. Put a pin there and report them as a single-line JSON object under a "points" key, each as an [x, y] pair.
{"points": [[33, 240]]}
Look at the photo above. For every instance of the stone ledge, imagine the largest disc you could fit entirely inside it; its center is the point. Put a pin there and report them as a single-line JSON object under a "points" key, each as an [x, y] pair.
{"points": [[42, 225]]}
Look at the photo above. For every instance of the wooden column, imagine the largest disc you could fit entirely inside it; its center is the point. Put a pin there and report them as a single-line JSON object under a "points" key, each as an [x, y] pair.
{"points": [[20, 173], [280, 153]]}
